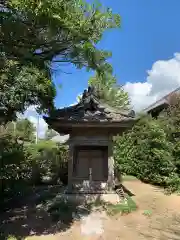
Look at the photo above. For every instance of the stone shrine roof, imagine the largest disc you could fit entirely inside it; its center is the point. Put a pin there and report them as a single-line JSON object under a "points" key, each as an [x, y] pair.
{"points": [[90, 109]]}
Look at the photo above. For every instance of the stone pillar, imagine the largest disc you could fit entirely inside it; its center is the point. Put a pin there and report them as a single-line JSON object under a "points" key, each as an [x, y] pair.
{"points": [[70, 167], [110, 166]]}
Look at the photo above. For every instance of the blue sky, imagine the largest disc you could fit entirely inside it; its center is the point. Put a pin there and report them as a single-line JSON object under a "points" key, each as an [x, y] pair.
{"points": [[149, 32], [145, 55]]}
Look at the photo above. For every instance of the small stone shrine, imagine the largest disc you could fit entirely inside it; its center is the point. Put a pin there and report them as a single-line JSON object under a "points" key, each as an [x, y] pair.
{"points": [[91, 126]]}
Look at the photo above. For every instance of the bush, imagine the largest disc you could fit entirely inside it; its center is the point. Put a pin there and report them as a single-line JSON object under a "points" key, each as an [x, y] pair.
{"points": [[13, 168], [176, 155], [147, 153], [48, 161], [26, 164]]}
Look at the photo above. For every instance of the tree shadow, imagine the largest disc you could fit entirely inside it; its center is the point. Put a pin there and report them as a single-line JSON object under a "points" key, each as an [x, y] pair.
{"points": [[46, 212]]}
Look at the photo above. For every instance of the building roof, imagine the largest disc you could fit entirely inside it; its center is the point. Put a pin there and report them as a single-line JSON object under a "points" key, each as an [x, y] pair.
{"points": [[89, 112], [91, 109], [161, 102]]}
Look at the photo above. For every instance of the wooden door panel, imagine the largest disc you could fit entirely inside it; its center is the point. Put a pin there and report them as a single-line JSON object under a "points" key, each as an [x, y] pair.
{"points": [[97, 164], [94, 159], [97, 170], [96, 153], [82, 167]]}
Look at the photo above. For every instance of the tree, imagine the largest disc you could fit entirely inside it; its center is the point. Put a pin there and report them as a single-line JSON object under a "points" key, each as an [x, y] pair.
{"points": [[108, 89], [50, 133], [35, 34], [21, 87], [23, 129], [41, 30]]}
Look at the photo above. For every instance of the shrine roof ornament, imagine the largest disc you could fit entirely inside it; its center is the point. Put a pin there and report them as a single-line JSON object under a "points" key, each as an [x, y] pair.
{"points": [[90, 108]]}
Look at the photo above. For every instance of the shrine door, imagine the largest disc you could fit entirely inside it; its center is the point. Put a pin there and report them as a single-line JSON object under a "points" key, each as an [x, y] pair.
{"points": [[91, 163]]}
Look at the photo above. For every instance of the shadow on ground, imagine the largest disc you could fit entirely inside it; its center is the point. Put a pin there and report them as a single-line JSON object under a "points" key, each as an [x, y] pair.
{"points": [[46, 212]]}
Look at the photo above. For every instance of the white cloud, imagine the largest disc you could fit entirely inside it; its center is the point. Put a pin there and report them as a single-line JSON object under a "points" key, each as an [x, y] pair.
{"points": [[42, 126], [32, 115], [163, 78]]}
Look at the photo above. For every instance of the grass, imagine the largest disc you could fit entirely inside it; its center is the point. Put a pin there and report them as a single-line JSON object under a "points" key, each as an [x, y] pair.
{"points": [[128, 178], [125, 207], [147, 213], [11, 238]]}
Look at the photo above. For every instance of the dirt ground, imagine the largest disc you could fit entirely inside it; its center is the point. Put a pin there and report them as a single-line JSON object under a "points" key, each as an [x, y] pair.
{"points": [[157, 218]]}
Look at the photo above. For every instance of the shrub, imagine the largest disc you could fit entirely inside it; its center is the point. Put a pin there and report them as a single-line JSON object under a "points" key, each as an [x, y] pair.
{"points": [[176, 154], [25, 164], [13, 168], [146, 152], [48, 161]]}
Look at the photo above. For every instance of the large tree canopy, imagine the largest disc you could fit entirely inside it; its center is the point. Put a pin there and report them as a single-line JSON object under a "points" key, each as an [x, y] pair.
{"points": [[36, 33], [108, 89], [23, 86]]}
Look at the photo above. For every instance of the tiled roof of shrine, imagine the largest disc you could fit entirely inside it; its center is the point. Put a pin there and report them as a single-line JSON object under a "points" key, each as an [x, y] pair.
{"points": [[90, 108]]}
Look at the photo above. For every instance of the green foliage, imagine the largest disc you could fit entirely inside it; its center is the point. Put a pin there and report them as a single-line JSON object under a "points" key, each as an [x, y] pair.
{"points": [[23, 165], [173, 112], [37, 36], [123, 153], [108, 90], [11, 238], [147, 213], [126, 206], [147, 152], [69, 29], [172, 125], [22, 86], [49, 160], [12, 164], [23, 129], [11, 157], [176, 154], [129, 178]]}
